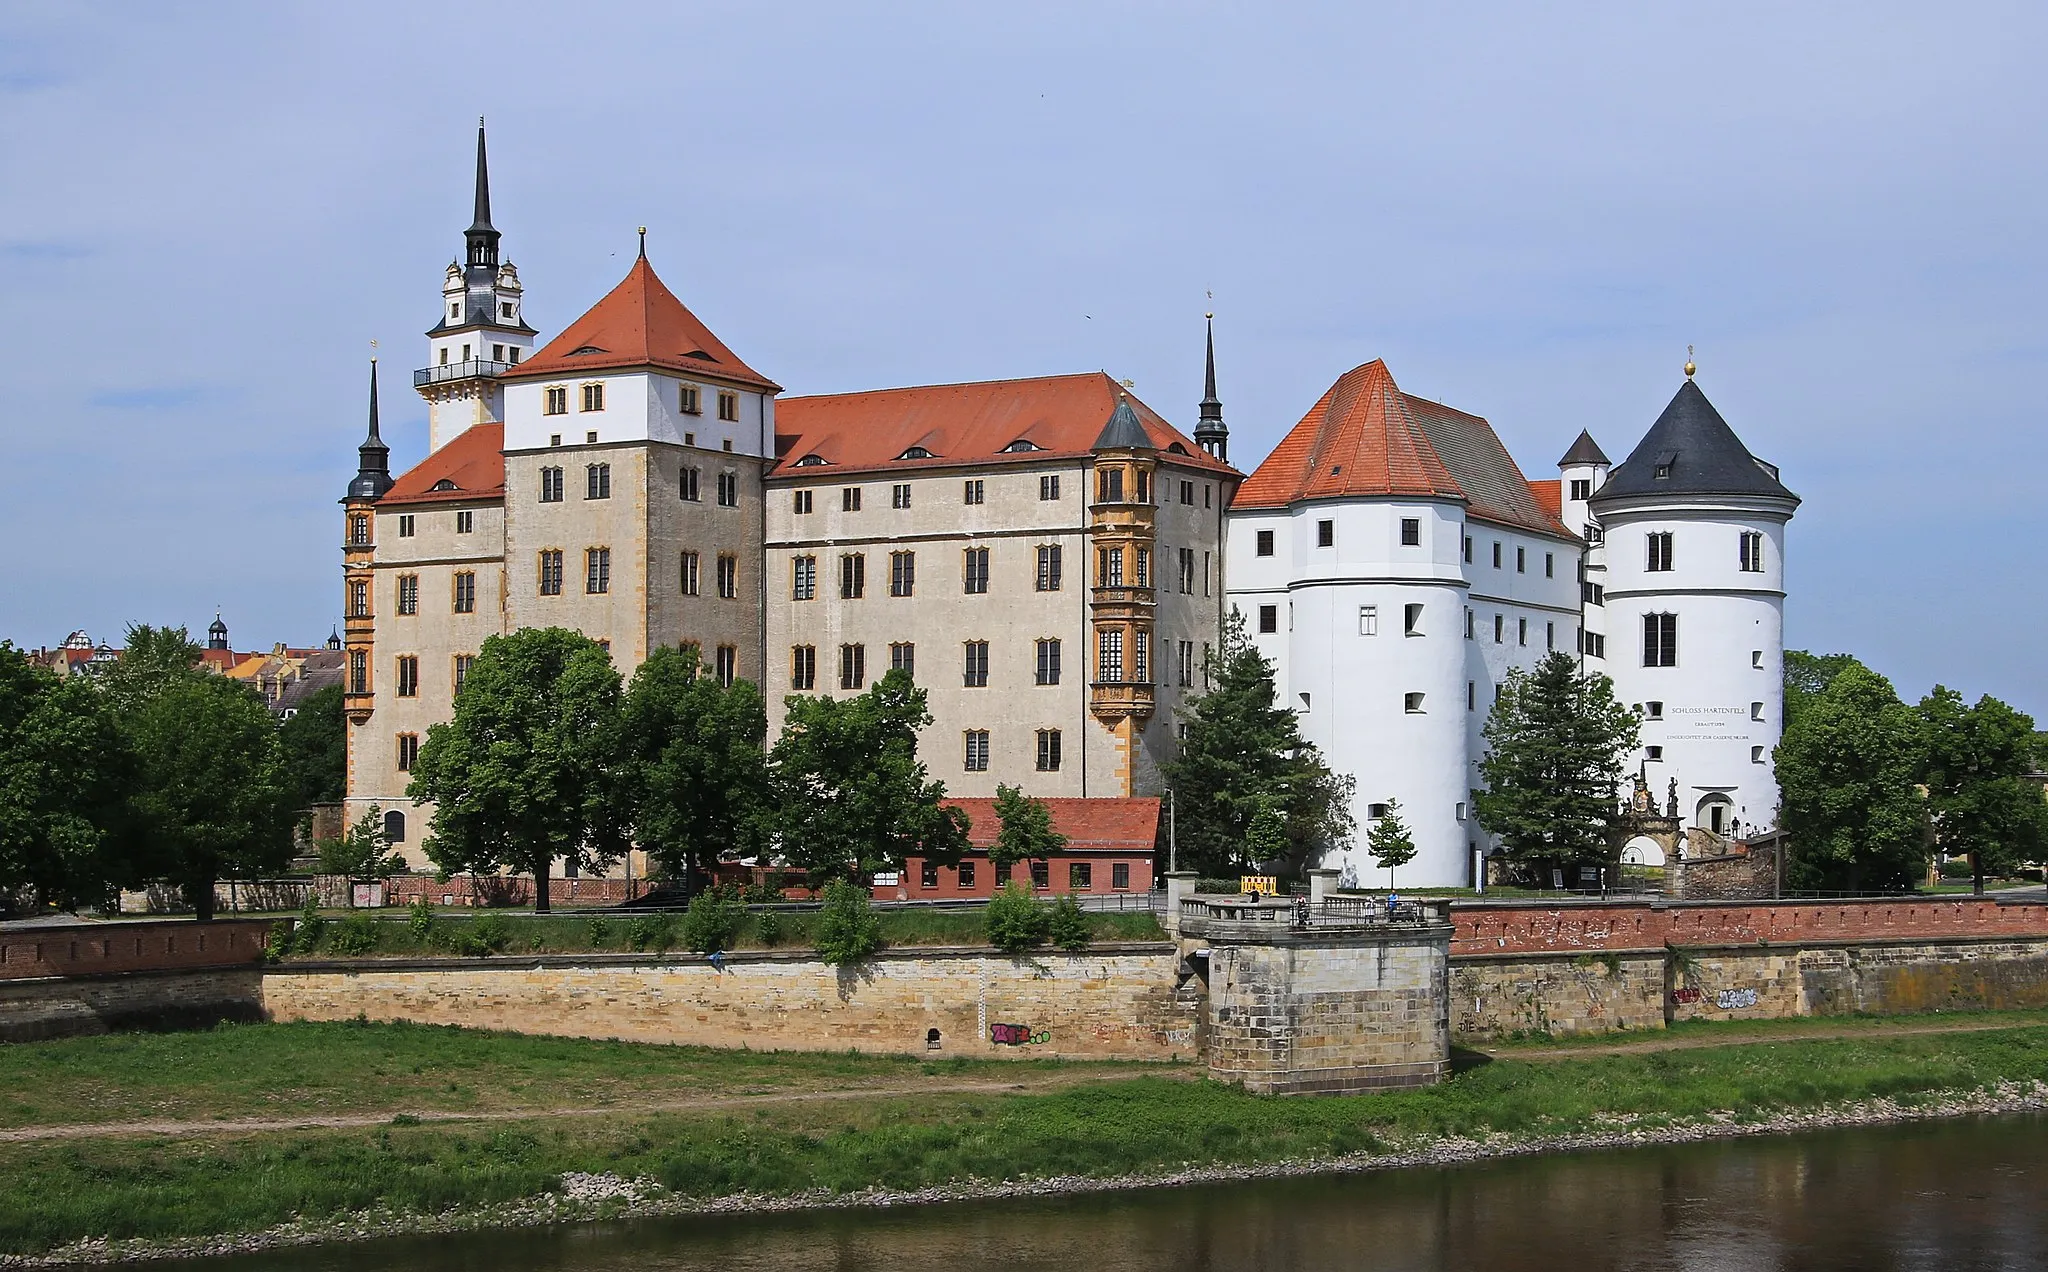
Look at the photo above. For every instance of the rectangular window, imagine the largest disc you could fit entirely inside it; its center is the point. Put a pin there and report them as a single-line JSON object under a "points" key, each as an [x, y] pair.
{"points": [[1471, 696], [1550, 635], [405, 524], [1109, 485], [597, 571], [1048, 662], [966, 874], [977, 751], [1660, 640], [1593, 593], [1049, 488], [1144, 567], [1468, 622], [1653, 710], [1144, 486], [728, 576], [557, 400], [1468, 549], [1265, 543], [1080, 876], [691, 400], [1752, 553], [1496, 554], [593, 397], [728, 490], [849, 499], [975, 673], [408, 676], [853, 666], [1205, 574], [465, 522], [551, 572], [928, 875], [1499, 625], [801, 502], [1187, 493], [1141, 657], [1592, 644], [1041, 875], [1186, 678], [902, 573], [1521, 631], [899, 495], [358, 671], [463, 662], [1368, 620], [1659, 552], [1326, 534], [1109, 661], [1582, 489], [408, 751], [408, 593], [1521, 560], [974, 571], [1550, 565], [971, 491], [1411, 619], [1269, 618], [727, 662], [903, 658], [465, 592], [1187, 571], [803, 578], [687, 574], [1411, 532], [597, 481], [1048, 578], [1109, 567], [1120, 875], [803, 666], [359, 532], [688, 485], [729, 407], [1411, 703], [853, 576]]}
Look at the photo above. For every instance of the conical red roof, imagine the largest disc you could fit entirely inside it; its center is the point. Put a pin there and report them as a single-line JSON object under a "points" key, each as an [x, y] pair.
{"points": [[640, 323]]}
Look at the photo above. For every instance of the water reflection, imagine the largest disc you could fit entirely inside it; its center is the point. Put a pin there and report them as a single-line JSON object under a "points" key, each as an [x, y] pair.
{"points": [[1954, 1197]]}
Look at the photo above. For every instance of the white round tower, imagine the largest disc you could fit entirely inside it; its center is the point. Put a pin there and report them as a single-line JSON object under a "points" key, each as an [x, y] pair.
{"points": [[1693, 545]]}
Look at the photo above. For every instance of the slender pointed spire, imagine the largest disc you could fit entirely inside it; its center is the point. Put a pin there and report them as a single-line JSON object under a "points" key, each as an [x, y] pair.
{"points": [[483, 182], [1210, 432], [373, 463], [482, 236]]}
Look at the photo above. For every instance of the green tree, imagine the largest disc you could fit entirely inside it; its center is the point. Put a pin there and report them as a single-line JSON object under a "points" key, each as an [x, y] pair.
{"points": [[1390, 842], [692, 772], [1979, 798], [315, 742], [851, 796], [214, 799], [848, 928], [1265, 840], [1026, 834], [1807, 676], [1066, 926], [1555, 741], [153, 659], [67, 773], [1015, 920], [363, 851], [526, 772], [1243, 749], [1847, 768]]}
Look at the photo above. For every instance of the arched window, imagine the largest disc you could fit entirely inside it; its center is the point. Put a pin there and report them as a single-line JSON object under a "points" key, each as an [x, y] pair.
{"points": [[394, 826]]}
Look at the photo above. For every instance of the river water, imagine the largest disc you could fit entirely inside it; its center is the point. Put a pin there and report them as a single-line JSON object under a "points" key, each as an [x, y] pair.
{"points": [[1947, 1196]]}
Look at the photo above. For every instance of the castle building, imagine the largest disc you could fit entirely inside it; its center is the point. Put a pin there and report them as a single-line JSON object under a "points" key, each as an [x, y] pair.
{"points": [[1045, 556], [1395, 564]]}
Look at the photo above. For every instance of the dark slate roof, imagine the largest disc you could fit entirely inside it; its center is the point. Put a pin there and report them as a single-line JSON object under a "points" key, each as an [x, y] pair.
{"points": [[1584, 451], [1702, 454], [1123, 431]]}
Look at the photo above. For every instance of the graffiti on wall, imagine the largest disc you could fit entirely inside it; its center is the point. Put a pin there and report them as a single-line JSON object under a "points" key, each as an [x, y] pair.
{"points": [[1684, 996], [1732, 999], [1018, 1035]]}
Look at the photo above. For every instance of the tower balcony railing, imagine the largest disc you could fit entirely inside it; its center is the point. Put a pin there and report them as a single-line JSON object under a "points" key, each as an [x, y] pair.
{"points": [[1113, 698], [1117, 594], [474, 369]]}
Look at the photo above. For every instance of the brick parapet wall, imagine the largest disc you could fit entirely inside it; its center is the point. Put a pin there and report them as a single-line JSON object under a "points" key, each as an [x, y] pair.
{"points": [[1533, 927], [114, 949]]}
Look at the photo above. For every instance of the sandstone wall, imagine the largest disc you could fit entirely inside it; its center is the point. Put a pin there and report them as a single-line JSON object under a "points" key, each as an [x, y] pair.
{"points": [[1496, 996], [60, 1007]]}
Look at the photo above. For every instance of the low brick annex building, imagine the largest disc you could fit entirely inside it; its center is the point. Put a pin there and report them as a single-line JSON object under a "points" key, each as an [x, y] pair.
{"points": [[1110, 846]]}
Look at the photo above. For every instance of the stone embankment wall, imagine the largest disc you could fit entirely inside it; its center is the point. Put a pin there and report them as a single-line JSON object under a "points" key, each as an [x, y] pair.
{"points": [[1122, 1002], [95, 977]]}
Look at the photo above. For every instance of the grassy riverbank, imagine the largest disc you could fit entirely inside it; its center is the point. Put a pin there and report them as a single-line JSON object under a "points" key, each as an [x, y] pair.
{"points": [[1087, 1121]]}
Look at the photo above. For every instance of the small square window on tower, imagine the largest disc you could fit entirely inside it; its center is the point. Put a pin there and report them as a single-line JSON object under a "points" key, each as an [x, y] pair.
{"points": [[1326, 534], [1265, 543]]}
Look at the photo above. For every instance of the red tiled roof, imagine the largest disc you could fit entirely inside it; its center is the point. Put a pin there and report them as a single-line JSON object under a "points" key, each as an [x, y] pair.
{"points": [[1366, 437], [965, 424], [1122, 825], [474, 462], [640, 323], [1549, 496]]}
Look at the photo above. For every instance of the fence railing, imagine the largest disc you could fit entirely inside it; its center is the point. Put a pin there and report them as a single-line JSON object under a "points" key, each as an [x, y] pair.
{"points": [[1300, 912]]}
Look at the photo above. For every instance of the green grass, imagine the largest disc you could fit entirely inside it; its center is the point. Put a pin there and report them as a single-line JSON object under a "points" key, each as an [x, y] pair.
{"points": [[573, 932], [53, 1192], [349, 1067]]}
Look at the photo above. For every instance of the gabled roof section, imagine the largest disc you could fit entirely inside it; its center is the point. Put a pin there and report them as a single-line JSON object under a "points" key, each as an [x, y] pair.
{"points": [[1061, 416], [1584, 452], [474, 463], [1698, 453], [639, 323], [1495, 489], [1549, 496], [1361, 438]]}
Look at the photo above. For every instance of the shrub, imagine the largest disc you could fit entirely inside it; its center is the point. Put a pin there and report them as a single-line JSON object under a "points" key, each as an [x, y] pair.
{"points": [[1066, 926], [1015, 921], [599, 929], [848, 928], [356, 936], [306, 933], [768, 928], [421, 920], [482, 937], [712, 921], [650, 931]]}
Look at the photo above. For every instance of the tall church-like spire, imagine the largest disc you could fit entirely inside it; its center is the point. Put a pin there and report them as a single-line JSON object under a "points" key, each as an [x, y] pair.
{"points": [[373, 466], [1210, 433], [481, 235]]}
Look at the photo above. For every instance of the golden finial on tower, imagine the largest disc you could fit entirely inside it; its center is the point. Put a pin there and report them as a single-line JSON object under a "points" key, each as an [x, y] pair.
{"points": [[1689, 367]]}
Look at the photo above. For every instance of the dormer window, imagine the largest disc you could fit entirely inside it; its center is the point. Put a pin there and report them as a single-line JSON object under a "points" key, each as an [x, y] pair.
{"points": [[919, 452], [1661, 472], [812, 461], [443, 484], [585, 351], [1177, 448], [505, 309], [1021, 445], [1662, 469]]}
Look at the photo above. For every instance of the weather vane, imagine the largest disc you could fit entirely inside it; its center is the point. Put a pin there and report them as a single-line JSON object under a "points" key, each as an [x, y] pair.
{"points": [[1689, 367], [373, 351]]}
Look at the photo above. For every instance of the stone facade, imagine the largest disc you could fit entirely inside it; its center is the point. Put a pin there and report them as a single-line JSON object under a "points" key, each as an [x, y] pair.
{"points": [[1505, 995], [64, 1007]]}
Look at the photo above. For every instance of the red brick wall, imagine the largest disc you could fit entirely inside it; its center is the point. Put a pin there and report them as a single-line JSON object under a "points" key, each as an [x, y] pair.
{"points": [[1102, 871], [1513, 927], [100, 949]]}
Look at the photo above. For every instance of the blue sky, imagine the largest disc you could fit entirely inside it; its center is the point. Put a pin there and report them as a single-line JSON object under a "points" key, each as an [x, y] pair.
{"points": [[212, 209]]}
